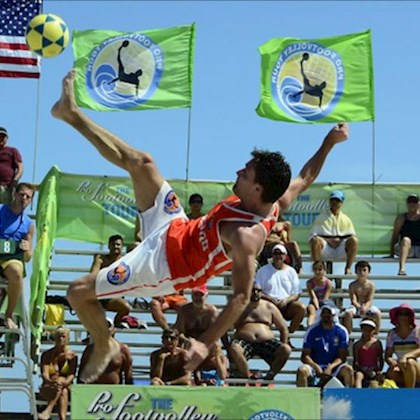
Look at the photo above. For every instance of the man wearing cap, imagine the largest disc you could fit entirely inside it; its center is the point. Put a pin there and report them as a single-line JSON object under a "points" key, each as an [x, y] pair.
{"points": [[325, 350], [405, 240], [195, 317], [11, 167], [120, 368], [280, 285], [333, 236]]}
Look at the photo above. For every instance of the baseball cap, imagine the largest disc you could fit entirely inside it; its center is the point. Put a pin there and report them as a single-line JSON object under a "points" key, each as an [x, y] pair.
{"points": [[413, 197], [202, 289], [339, 195], [110, 322], [279, 247], [329, 307], [3, 131], [369, 322]]}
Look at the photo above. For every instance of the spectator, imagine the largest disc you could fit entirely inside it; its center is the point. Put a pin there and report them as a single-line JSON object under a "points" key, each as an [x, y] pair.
{"points": [[167, 363], [280, 285], [362, 291], [161, 304], [254, 337], [368, 355], [11, 168], [196, 203], [120, 368], [319, 289], [214, 369], [333, 236], [58, 368], [118, 305], [324, 354], [405, 240], [16, 235], [404, 342], [195, 317], [282, 234]]}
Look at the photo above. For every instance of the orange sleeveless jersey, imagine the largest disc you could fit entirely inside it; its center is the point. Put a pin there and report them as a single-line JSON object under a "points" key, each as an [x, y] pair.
{"points": [[194, 249]]}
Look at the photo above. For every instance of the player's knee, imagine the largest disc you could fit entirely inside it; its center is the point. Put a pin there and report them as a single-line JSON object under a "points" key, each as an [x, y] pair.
{"points": [[303, 372], [80, 290]]}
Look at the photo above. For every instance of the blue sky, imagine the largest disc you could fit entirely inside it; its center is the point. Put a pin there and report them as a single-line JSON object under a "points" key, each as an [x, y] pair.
{"points": [[225, 127]]}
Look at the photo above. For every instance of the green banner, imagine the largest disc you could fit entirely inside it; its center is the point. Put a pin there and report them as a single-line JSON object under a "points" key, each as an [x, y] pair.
{"points": [[188, 403], [118, 71], [317, 80]]}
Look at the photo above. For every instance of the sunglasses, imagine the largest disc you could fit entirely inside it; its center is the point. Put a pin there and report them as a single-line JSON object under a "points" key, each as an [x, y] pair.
{"points": [[278, 253], [404, 313], [196, 202], [412, 201]]}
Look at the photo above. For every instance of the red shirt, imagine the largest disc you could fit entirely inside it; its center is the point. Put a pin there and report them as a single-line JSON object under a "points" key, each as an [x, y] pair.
{"points": [[194, 248], [9, 158]]}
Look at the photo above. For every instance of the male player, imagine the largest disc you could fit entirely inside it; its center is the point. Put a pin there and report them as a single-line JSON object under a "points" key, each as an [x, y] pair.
{"points": [[176, 252]]}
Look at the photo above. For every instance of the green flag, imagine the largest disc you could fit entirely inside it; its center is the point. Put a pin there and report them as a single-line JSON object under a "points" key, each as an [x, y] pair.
{"points": [[317, 81], [119, 71]]}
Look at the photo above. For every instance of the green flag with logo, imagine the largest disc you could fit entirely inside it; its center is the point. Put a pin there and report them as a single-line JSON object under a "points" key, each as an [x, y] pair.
{"points": [[121, 71], [318, 80]]}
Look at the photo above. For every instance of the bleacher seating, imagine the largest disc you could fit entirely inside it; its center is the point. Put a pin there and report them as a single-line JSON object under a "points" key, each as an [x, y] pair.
{"points": [[391, 291]]}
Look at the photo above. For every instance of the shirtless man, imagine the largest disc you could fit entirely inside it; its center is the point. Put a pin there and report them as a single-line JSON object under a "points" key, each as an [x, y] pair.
{"points": [[196, 317], [120, 366], [254, 336], [177, 253], [362, 291], [167, 363], [118, 305]]}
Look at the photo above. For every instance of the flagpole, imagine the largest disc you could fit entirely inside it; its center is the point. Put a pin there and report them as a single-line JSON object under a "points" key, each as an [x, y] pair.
{"points": [[373, 182], [38, 94], [187, 169]]}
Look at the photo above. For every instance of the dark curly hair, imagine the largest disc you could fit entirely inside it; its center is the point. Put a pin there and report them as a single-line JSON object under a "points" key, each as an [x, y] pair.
{"points": [[272, 172]]}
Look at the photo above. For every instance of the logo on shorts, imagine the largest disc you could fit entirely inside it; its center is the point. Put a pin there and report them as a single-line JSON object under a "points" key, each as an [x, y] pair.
{"points": [[171, 203], [271, 415], [124, 71], [119, 275], [307, 80]]}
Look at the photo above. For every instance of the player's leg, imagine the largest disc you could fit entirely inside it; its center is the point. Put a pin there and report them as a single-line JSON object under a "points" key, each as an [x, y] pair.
{"points": [[147, 180]]}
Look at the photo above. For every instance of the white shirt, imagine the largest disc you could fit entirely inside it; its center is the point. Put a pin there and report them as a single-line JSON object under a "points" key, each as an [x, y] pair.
{"points": [[279, 284]]}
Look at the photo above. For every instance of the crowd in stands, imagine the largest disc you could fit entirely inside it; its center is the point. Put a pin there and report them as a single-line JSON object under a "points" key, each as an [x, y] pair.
{"points": [[275, 299]]}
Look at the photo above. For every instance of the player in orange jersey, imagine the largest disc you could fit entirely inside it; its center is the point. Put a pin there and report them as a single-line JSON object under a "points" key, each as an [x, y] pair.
{"points": [[176, 252]]}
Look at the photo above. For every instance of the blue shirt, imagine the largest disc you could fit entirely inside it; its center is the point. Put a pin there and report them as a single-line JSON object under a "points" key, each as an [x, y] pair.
{"points": [[13, 226], [325, 344]]}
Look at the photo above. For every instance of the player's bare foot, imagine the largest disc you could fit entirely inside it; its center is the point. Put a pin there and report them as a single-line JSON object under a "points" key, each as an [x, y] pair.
{"points": [[99, 361], [10, 324], [44, 416], [66, 105]]}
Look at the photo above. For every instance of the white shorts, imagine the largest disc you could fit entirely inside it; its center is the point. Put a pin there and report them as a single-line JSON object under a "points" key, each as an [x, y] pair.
{"points": [[356, 312], [144, 271], [413, 253], [339, 253]]}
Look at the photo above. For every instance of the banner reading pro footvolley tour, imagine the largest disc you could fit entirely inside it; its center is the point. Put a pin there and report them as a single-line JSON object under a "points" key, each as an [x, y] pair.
{"points": [[318, 80], [120, 402]]}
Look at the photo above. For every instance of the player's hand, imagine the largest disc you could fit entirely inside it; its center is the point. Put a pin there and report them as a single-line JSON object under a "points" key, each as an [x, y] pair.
{"points": [[24, 245], [196, 352], [338, 133]]}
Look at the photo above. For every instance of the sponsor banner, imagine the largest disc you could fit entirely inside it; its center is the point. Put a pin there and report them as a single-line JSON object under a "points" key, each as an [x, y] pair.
{"points": [[317, 80], [369, 403], [120, 402]]}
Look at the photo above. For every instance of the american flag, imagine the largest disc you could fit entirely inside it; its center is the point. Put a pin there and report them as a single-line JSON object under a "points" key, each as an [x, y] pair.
{"points": [[16, 60]]}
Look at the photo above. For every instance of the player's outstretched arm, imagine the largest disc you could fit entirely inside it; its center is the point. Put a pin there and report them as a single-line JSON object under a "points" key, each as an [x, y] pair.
{"points": [[313, 166], [245, 243]]}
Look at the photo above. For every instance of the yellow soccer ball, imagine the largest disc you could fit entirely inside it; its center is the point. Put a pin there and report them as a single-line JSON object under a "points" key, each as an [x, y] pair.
{"points": [[47, 35]]}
